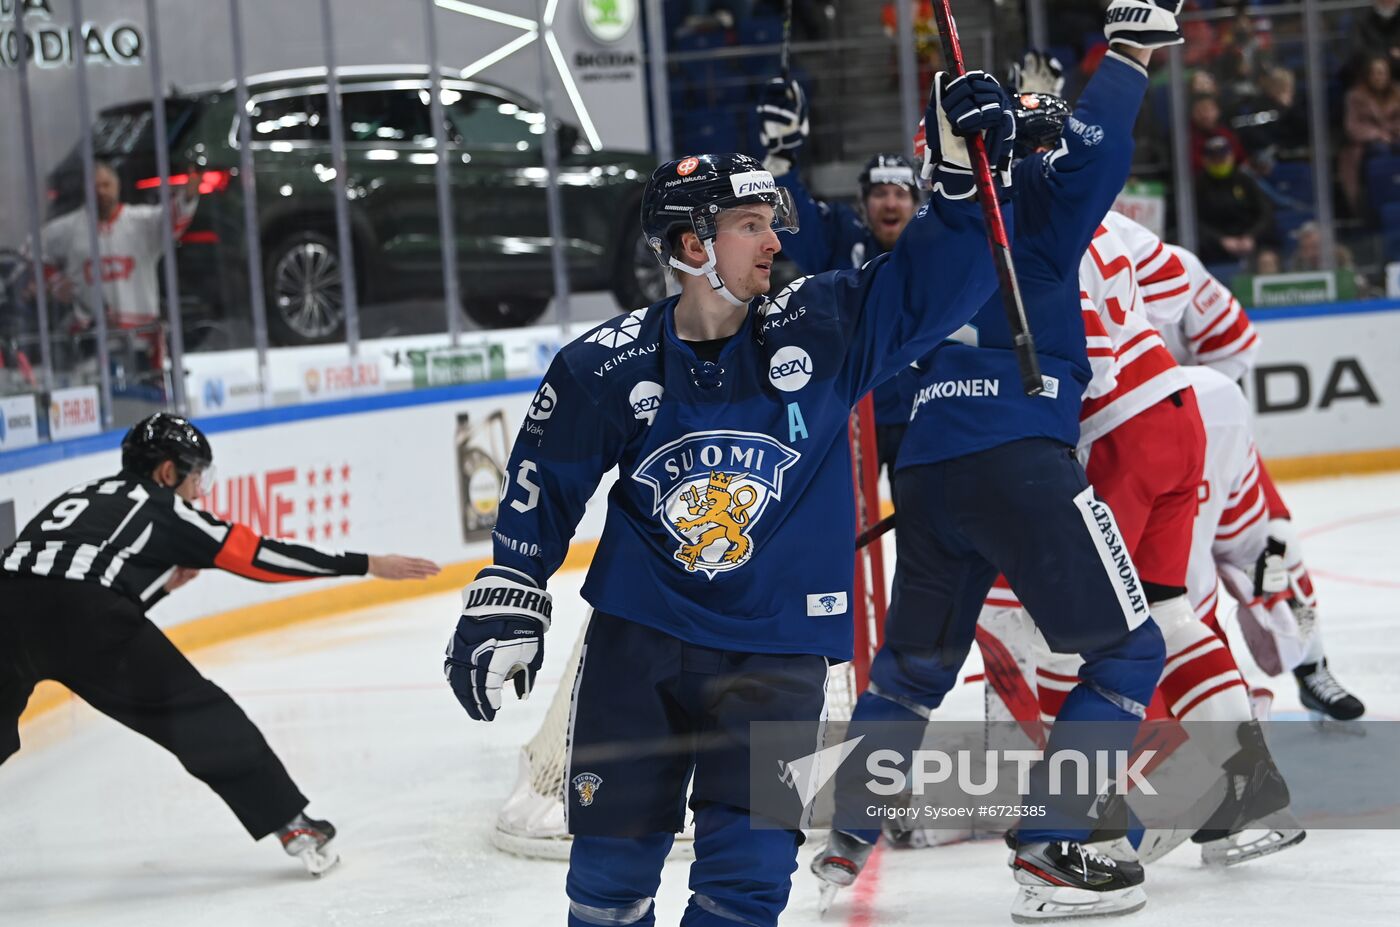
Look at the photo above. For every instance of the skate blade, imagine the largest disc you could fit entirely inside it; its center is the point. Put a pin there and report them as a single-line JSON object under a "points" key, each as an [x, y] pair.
{"points": [[1039, 904], [318, 862], [1326, 724], [1227, 852], [825, 896]]}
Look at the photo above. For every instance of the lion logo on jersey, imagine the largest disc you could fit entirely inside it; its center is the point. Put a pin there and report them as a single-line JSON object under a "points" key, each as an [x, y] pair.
{"points": [[727, 510], [710, 490], [586, 784]]}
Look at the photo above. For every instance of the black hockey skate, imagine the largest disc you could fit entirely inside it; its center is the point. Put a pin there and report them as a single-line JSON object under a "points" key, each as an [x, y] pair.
{"points": [[838, 864], [1254, 791], [1065, 879], [310, 841], [1332, 707]]}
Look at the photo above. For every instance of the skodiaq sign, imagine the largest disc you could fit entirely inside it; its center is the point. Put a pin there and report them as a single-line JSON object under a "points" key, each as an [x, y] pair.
{"points": [[1326, 384], [50, 43]]}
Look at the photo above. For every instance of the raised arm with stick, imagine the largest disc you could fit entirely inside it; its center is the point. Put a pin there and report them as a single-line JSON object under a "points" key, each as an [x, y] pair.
{"points": [[996, 229]]}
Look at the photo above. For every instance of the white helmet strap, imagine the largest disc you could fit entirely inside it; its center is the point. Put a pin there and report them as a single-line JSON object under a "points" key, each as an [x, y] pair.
{"points": [[709, 271]]}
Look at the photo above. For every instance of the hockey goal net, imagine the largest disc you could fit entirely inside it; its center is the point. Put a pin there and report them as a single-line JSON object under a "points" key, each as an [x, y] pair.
{"points": [[531, 822]]}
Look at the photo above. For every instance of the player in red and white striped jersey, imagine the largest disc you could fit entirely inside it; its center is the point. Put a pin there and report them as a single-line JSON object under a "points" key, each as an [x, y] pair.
{"points": [[1239, 544], [1214, 331], [1203, 324], [1161, 278], [1139, 406]]}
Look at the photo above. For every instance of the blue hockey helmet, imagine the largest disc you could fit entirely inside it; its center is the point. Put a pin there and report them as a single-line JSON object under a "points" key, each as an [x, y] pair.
{"points": [[892, 169], [1040, 121], [688, 194]]}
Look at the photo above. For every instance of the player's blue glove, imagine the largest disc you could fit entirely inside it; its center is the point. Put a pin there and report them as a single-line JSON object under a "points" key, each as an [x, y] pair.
{"points": [[782, 113], [500, 636], [959, 108], [1143, 23]]}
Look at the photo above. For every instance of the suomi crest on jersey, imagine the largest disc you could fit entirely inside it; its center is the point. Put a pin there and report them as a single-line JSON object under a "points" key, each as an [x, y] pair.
{"points": [[710, 489]]}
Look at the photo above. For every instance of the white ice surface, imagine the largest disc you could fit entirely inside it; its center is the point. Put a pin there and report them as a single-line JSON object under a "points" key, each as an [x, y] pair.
{"points": [[100, 827]]}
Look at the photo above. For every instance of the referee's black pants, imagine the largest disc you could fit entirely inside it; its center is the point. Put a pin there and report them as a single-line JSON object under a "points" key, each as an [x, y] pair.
{"points": [[101, 645]]}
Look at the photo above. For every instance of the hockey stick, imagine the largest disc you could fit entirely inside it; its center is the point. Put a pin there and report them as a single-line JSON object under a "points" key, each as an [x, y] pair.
{"points": [[787, 39], [991, 213], [875, 531]]}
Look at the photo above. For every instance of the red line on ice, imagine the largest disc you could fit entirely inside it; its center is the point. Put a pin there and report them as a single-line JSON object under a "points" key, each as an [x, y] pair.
{"points": [[864, 891]]}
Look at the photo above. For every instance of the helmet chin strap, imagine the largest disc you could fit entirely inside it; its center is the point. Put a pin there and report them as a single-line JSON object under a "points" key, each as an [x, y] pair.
{"points": [[710, 272]]}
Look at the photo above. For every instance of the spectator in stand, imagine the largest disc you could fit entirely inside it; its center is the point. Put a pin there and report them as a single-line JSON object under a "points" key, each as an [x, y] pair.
{"points": [[1372, 125], [1242, 54], [1307, 256], [1267, 261], [1205, 126], [1307, 253], [1202, 83], [1376, 33], [1273, 123], [1234, 215]]}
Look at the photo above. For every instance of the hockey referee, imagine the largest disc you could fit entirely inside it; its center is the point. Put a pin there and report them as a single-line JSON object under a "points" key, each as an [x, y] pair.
{"points": [[74, 590]]}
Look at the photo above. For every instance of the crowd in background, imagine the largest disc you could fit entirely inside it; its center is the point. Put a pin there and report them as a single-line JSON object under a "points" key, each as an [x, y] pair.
{"points": [[1251, 140]]}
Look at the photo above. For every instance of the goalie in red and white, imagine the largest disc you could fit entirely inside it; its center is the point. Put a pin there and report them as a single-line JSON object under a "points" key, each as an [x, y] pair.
{"points": [[1203, 324]]}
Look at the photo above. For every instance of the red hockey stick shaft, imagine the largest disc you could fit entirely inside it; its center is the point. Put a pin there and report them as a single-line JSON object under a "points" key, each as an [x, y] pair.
{"points": [[1021, 336]]}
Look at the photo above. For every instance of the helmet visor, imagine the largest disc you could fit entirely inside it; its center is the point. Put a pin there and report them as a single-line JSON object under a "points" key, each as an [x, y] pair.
{"points": [[204, 476], [749, 216]]}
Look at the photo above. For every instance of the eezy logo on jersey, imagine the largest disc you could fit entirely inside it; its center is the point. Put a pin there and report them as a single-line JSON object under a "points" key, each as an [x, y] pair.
{"points": [[646, 400], [710, 488], [542, 406], [790, 369]]}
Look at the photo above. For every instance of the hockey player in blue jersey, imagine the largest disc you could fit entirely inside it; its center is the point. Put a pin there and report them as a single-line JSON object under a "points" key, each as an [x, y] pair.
{"points": [[988, 483], [834, 236], [722, 582]]}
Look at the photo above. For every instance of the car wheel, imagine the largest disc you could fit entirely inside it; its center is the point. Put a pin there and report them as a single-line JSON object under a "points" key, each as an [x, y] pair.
{"points": [[502, 312], [638, 280], [305, 299]]}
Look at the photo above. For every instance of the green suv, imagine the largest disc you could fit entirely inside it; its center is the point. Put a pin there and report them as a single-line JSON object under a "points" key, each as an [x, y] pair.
{"points": [[496, 159]]}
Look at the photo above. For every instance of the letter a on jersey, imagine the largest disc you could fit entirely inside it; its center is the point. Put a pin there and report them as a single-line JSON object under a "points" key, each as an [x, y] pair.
{"points": [[710, 489]]}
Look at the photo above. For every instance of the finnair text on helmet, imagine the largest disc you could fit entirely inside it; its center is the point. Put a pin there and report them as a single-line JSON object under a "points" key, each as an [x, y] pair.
{"points": [[750, 183], [1072, 769]]}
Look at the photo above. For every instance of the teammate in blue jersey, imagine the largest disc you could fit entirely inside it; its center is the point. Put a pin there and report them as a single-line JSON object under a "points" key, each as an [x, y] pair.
{"points": [[722, 582], [988, 483], [834, 236]]}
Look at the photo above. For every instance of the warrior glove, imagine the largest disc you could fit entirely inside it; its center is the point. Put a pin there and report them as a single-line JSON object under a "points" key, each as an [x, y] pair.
{"points": [[500, 636]]}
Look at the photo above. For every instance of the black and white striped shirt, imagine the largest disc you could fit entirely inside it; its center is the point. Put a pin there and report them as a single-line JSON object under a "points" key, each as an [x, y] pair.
{"points": [[130, 534]]}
